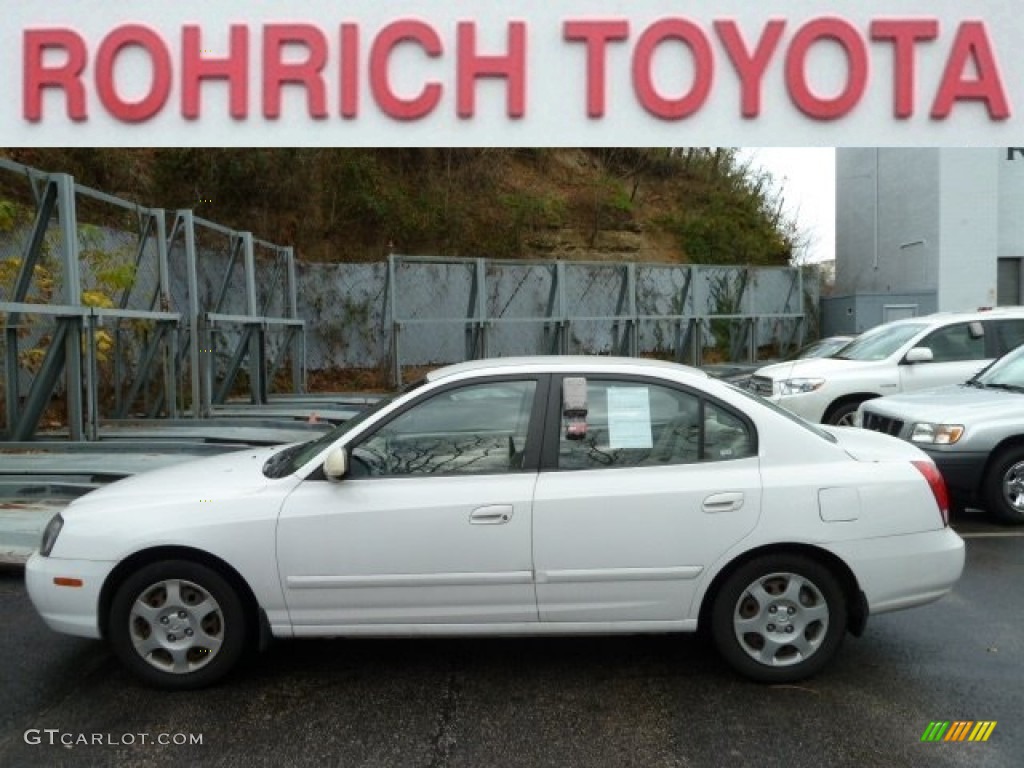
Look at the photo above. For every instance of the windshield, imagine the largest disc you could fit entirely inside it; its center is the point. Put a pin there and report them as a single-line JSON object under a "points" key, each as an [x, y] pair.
{"points": [[821, 348], [1005, 373], [880, 342], [288, 460]]}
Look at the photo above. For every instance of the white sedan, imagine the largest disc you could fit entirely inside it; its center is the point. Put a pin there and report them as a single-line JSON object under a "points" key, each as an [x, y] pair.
{"points": [[549, 495]]}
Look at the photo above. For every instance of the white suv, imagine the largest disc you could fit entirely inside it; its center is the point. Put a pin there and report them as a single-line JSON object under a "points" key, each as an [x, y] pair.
{"points": [[919, 352]]}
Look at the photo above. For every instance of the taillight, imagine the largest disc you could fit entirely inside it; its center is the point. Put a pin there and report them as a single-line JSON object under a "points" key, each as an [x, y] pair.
{"points": [[938, 486]]}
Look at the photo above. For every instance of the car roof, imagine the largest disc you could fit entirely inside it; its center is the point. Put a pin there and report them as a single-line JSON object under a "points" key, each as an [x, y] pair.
{"points": [[554, 363], [944, 318]]}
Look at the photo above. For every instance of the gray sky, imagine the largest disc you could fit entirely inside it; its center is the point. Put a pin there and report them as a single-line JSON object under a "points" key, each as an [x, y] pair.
{"points": [[806, 177]]}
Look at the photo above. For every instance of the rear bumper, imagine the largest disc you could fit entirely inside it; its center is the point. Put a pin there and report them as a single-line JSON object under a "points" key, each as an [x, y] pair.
{"points": [[900, 572], [71, 610]]}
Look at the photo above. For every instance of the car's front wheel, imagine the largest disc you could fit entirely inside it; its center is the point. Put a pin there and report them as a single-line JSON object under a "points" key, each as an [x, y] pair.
{"points": [[177, 624], [1004, 487], [842, 415], [779, 618]]}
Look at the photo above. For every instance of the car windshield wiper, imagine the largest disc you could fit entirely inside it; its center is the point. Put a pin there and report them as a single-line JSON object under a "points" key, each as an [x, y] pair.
{"points": [[1007, 387], [975, 382]]}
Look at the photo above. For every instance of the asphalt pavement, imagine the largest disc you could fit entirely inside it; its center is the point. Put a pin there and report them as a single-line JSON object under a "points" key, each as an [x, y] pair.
{"points": [[565, 702]]}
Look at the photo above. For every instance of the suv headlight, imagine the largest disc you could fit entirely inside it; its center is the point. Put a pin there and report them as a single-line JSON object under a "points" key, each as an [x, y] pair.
{"points": [[937, 434], [50, 534], [799, 386]]}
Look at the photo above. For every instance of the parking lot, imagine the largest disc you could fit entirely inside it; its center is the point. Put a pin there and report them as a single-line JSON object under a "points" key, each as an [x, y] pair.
{"points": [[645, 701]]}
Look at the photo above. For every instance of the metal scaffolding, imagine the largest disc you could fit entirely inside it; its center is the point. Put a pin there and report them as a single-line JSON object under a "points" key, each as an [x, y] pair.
{"points": [[107, 315]]}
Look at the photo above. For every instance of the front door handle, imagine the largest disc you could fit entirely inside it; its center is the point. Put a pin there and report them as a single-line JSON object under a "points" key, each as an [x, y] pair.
{"points": [[723, 502], [493, 514]]}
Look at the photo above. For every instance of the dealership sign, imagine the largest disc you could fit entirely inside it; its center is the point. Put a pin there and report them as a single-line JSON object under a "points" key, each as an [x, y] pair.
{"points": [[528, 73]]}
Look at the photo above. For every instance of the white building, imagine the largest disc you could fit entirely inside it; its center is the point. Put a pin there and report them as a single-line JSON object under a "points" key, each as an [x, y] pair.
{"points": [[925, 230]]}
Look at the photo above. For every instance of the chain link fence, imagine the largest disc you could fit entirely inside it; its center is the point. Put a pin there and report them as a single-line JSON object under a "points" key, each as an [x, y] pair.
{"points": [[384, 324]]}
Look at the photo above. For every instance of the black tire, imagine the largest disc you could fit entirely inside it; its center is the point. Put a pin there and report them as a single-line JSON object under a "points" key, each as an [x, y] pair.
{"points": [[177, 625], [1004, 487], [842, 415], [789, 636]]}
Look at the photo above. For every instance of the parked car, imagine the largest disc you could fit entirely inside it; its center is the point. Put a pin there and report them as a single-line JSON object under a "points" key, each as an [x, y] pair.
{"points": [[741, 373], [902, 356], [533, 496], [974, 432]]}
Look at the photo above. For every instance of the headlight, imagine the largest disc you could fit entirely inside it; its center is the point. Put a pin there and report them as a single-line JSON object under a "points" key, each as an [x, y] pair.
{"points": [[799, 386], [50, 535], [937, 434]]}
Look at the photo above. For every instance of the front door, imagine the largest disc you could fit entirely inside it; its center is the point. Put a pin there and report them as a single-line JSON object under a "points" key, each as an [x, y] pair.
{"points": [[433, 523], [958, 352]]}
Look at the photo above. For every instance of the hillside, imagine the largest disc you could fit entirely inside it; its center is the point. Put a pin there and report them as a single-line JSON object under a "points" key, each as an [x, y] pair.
{"points": [[679, 205]]}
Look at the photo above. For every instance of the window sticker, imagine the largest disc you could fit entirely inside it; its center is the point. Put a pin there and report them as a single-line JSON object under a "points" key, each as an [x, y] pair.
{"points": [[629, 418]]}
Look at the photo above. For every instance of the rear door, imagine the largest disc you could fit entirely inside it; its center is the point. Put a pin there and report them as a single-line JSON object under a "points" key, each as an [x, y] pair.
{"points": [[631, 509]]}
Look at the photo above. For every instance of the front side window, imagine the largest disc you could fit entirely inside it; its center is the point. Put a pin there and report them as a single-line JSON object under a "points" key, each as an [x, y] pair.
{"points": [[634, 424], [955, 343], [477, 429]]}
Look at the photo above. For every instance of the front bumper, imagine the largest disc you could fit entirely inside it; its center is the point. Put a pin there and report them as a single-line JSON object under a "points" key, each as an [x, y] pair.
{"points": [[961, 470], [71, 610], [900, 572]]}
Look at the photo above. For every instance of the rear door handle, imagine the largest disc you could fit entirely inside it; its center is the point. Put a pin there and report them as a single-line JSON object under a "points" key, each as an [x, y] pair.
{"points": [[723, 502], [493, 514]]}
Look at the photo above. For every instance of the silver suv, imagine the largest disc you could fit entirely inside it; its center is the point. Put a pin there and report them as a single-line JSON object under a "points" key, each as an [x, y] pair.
{"points": [[974, 432]]}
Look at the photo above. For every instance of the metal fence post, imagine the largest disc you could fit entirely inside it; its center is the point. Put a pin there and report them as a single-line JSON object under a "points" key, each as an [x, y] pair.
{"points": [[199, 405], [563, 314], [257, 338], [72, 297], [634, 322], [170, 377], [298, 358], [396, 356]]}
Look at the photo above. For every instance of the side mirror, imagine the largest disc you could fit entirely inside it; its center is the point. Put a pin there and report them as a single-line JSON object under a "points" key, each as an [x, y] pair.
{"points": [[920, 355], [976, 330], [336, 464]]}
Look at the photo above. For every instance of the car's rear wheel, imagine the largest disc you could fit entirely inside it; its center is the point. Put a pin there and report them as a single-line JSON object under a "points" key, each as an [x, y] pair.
{"points": [[1004, 487], [177, 624], [779, 618]]}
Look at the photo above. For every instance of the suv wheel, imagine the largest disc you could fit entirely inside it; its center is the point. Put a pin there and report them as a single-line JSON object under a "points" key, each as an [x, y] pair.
{"points": [[842, 416], [1004, 487]]}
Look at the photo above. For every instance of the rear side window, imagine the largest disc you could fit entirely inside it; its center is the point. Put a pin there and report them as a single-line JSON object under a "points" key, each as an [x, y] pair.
{"points": [[637, 424], [1006, 335]]}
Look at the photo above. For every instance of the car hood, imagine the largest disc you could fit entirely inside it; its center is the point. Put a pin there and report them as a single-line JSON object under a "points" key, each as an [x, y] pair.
{"points": [[865, 445], [954, 404], [230, 475], [809, 368]]}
